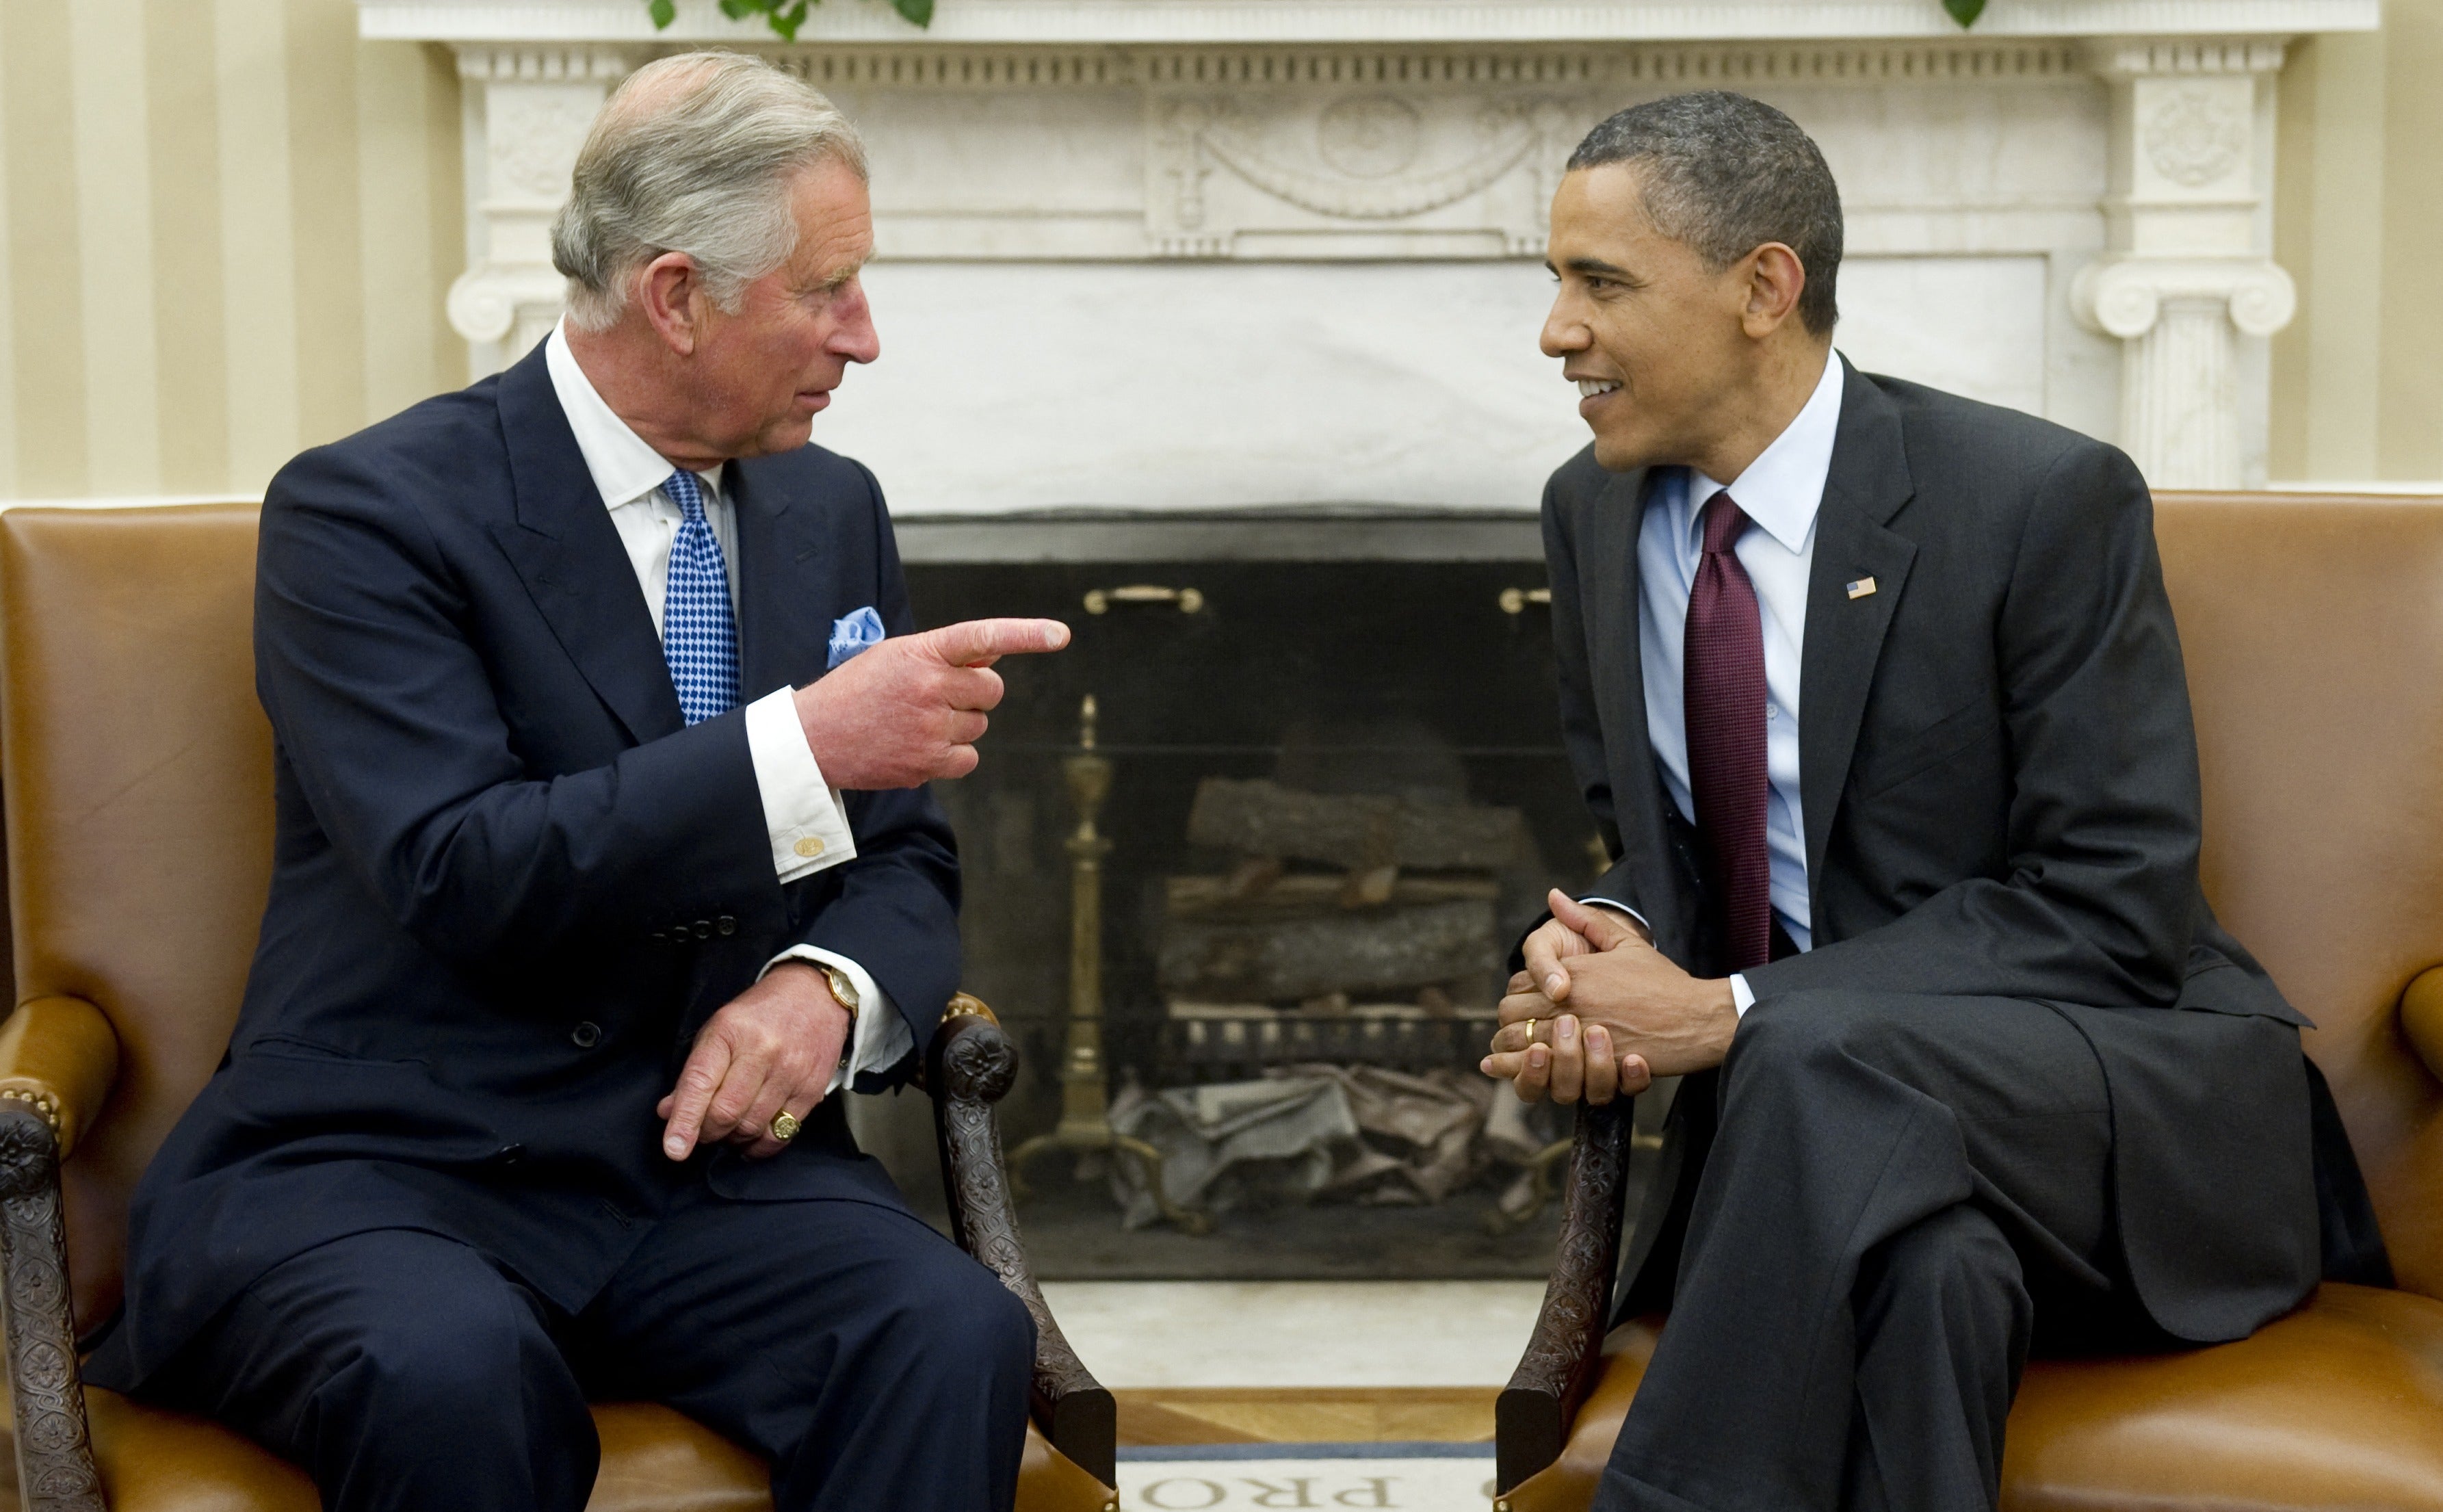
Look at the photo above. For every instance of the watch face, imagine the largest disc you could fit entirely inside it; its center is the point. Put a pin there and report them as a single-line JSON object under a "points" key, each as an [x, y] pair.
{"points": [[842, 988]]}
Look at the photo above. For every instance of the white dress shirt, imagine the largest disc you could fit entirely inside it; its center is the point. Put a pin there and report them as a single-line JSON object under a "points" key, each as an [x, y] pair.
{"points": [[809, 829], [1781, 491]]}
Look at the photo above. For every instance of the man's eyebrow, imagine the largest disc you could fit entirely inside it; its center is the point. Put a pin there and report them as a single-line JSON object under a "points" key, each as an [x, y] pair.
{"points": [[1600, 268], [841, 280]]}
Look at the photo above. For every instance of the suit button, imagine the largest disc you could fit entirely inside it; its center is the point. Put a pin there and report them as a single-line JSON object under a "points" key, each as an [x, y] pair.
{"points": [[704, 929], [726, 924], [585, 1036], [809, 847]]}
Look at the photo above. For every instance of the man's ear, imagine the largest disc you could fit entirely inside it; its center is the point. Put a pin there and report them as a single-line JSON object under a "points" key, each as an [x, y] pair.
{"points": [[670, 290], [1775, 278]]}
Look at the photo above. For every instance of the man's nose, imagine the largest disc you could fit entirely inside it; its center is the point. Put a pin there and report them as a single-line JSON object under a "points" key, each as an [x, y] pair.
{"points": [[1562, 334], [1565, 330], [855, 338]]}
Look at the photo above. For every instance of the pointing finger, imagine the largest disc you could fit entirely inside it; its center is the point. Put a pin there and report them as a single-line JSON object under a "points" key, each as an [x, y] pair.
{"points": [[698, 1081], [976, 642]]}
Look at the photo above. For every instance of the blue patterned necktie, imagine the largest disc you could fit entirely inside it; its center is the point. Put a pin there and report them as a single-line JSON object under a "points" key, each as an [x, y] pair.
{"points": [[699, 635]]}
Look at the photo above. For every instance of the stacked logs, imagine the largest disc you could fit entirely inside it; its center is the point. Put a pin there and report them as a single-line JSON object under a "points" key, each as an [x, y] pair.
{"points": [[1337, 899]]}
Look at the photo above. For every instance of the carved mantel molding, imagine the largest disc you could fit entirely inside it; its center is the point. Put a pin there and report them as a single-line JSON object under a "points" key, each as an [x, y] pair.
{"points": [[2122, 143]]}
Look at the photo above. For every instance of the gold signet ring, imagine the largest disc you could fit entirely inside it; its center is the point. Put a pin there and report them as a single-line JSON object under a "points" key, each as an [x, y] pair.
{"points": [[786, 1126]]}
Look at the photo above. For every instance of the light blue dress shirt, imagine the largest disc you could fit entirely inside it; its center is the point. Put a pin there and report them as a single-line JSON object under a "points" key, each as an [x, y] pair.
{"points": [[1781, 491]]}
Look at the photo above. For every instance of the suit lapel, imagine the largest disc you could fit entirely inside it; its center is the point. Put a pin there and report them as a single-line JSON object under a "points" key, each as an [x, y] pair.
{"points": [[1870, 482], [567, 552], [784, 621], [1611, 594]]}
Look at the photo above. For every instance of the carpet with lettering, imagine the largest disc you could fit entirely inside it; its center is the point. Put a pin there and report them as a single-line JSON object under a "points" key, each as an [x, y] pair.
{"points": [[1319, 1477]]}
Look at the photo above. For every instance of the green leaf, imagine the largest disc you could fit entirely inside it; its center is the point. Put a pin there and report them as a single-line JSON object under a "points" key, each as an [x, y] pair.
{"points": [[787, 21], [739, 9], [918, 11], [663, 12], [1964, 12]]}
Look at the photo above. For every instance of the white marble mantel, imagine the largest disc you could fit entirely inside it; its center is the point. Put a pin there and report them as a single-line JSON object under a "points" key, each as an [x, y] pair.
{"points": [[1198, 253]]}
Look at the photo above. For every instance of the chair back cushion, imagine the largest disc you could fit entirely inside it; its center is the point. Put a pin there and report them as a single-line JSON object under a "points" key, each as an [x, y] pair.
{"points": [[2313, 631], [137, 767]]}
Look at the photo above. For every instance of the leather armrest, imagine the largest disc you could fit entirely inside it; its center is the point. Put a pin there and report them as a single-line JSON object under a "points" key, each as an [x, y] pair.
{"points": [[60, 1054], [2421, 1017]]}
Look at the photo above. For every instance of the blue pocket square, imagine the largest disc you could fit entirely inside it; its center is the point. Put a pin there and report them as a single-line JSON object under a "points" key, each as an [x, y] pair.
{"points": [[852, 632]]}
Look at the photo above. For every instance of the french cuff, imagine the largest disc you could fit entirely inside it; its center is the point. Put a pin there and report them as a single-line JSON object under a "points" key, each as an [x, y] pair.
{"points": [[1618, 907], [881, 1036], [802, 812]]}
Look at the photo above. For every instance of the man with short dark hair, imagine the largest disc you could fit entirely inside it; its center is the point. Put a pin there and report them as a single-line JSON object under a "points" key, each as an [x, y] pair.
{"points": [[1876, 697], [604, 867]]}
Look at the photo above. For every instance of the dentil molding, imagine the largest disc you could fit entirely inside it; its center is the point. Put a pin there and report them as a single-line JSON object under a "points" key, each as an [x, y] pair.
{"points": [[1222, 22]]}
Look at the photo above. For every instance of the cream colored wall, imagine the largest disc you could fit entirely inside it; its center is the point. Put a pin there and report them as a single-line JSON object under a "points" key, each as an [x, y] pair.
{"points": [[2358, 380], [229, 228]]}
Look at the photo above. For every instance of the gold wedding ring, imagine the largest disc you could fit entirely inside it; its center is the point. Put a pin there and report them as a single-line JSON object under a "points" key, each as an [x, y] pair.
{"points": [[1508, 1041], [786, 1126]]}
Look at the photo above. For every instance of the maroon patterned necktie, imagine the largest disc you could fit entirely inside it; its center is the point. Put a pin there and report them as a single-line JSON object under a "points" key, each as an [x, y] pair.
{"points": [[1722, 681]]}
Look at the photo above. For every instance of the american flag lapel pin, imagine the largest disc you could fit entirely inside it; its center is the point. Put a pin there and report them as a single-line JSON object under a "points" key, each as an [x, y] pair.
{"points": [[1862, 587]]}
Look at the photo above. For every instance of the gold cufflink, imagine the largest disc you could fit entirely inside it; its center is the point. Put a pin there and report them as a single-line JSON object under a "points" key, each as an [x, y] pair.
{"points": [[811, 847], [1862, 587]]}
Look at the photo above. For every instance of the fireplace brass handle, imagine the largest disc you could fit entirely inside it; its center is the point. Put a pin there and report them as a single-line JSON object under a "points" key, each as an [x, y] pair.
{"points": [[1515, 600], [1100, 601]]}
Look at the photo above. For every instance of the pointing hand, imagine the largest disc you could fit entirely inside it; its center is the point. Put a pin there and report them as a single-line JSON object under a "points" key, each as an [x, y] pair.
{"points": [[910, 710]]}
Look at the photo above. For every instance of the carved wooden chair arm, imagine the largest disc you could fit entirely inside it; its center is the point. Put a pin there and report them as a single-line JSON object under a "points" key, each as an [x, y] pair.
{"points": [[971, 1066], [1531, 1417], [59, 1057]]}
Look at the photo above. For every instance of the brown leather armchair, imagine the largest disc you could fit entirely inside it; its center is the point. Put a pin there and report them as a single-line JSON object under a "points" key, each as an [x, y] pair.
{"points": [[139, 810], [2313, 631]]}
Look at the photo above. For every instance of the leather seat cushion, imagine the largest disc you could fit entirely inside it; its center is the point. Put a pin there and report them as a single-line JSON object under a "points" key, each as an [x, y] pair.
{"points": [[654, 1460], [2338, 1405]]}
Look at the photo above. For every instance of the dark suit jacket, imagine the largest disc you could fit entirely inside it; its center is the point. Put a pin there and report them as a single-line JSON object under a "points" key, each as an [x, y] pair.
{"points": [[510, 884], [1999, 776]]}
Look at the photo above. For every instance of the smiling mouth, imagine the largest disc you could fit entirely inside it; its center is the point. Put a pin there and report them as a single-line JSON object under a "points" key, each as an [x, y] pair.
{"points": [[1590, 388]]}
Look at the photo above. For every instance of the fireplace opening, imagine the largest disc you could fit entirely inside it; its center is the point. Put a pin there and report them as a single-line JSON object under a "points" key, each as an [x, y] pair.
{"points": [[1242, 870]]}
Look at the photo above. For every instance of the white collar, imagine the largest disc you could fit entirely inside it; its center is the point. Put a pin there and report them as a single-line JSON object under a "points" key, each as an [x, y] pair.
{"points": [[1782, 489], [625, 466]]}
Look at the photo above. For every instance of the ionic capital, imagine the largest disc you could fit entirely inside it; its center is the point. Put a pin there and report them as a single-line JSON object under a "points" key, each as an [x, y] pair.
{"points": [[2123, 296]]}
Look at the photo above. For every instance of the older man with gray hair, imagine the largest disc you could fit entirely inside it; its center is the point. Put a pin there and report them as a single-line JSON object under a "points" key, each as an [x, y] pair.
{"points": [[603, 862]]}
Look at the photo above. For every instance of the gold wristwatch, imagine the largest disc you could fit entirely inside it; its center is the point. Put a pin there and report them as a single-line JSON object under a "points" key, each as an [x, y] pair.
{"points": [[843, 990]]}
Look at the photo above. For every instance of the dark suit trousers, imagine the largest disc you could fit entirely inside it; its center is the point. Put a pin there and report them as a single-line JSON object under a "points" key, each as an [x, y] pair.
{"points": [[1897, 1190], [865, 1358]]}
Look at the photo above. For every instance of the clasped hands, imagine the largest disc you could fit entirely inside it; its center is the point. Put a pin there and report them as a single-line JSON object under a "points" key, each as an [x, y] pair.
{"points": [[1600, 1012]]}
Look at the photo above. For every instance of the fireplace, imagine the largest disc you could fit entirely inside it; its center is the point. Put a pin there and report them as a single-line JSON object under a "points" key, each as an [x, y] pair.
{"points": [[1332, 795]]}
